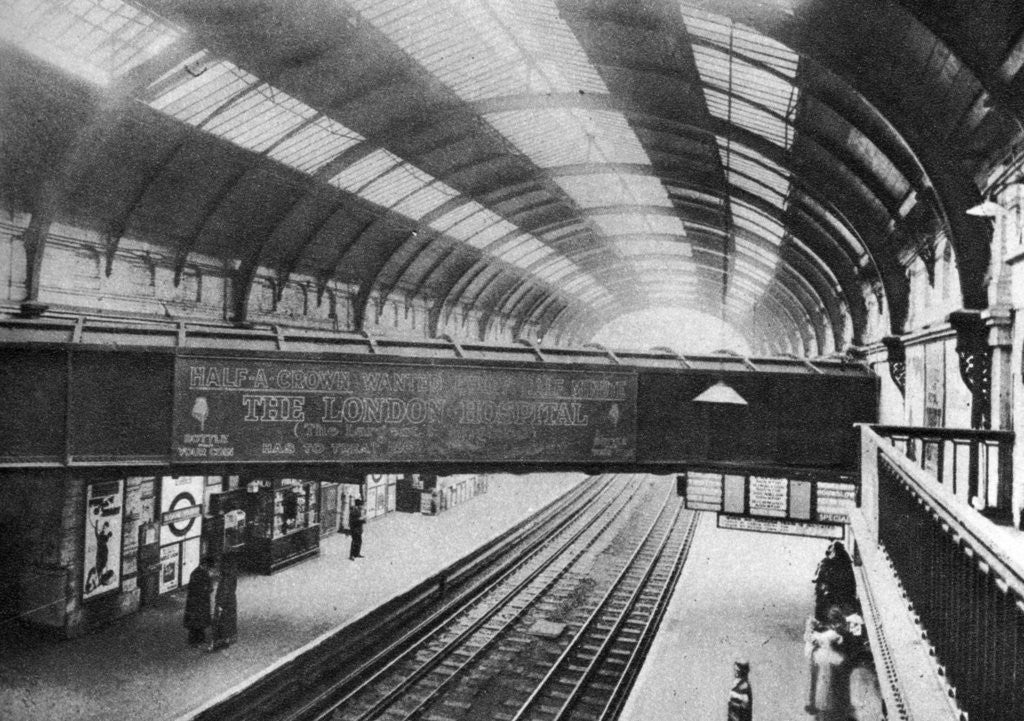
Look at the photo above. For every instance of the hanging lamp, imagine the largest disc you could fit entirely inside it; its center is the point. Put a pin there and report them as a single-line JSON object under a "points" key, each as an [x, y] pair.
{"points": [[721, 392]]}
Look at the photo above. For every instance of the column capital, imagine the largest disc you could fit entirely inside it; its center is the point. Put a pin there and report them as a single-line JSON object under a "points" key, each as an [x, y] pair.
{"points": [[972, 346], [896, 355]]}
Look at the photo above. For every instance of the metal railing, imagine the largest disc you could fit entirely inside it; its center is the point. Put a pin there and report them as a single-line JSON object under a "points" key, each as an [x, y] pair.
{"points": [[960, 575], [974, 465]]}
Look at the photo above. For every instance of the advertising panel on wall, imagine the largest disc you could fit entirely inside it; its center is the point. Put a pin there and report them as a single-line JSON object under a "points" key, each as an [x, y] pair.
{"points": [[103, 512], [263, 410]]}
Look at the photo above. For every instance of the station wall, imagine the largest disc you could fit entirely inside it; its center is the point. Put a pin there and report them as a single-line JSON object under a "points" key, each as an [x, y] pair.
{"points": [[141, 281]]}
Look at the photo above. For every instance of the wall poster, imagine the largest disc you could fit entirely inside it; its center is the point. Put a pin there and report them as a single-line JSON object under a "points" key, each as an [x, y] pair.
{"points": [[101, 565], [266, 410], [170, 572]]}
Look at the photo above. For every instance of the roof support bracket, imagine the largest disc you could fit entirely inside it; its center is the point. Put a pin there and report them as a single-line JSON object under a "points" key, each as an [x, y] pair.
{"points": [[371, 341], [532, 346], [668, 351], [455, 344], [607, 351]]}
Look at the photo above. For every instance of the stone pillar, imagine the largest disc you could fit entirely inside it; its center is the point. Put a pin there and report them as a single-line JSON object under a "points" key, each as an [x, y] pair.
{"points": [[1015, 262], [999, 331]]}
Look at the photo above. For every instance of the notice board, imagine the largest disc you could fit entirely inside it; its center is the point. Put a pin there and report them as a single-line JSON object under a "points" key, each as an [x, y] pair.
{"points": [[811, 505], [267, 410]]}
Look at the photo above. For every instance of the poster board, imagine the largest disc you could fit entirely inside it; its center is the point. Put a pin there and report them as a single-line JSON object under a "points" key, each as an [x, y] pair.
{"points": [[101, 567]]}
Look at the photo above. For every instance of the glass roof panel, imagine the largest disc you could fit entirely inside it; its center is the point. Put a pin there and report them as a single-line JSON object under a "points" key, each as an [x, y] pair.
{"points": [[752, 269], [496, 49], [754, 221], [533, 256], [488, 235], [220, 98], [743, 153], [396, 183], [553, 137], [473, 224], [553, 274], [758, 189], [653, 246], [315, 145], [484, 50], [359, 174], [757, 71], [553, 270], [456, 214], [624, 223], [592, 294], [516, 251], [576, 283], [754, 250], [194, 91], [259, 118], [99, 40], [604, 189], [426, 199]]}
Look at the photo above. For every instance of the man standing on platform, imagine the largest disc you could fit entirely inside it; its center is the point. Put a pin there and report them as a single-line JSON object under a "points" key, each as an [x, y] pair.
{"points": [[741, 697], [197, 602], [355, 525]]}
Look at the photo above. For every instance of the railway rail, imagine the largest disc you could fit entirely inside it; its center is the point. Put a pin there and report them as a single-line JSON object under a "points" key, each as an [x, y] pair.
{"points": [[551, 623]]}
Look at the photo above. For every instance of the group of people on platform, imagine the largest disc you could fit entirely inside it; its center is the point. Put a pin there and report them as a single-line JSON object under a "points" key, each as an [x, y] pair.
{"points": [[835, 637], [215, 626], [835, 643]]}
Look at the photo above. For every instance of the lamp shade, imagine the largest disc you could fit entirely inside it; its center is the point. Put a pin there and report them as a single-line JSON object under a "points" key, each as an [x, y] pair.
{"points": [[720, 392], [987, 209]]}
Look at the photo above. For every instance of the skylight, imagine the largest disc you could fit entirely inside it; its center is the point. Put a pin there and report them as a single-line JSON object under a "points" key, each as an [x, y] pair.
{"points": [[759, 73], [315, 145], [485, 50], [653, 246], [359, 175], [220, 98], [623, 223], [99, 40], [455, 215], [754, 221], [553, 137], [749, 80], [259, 118], [198, 87], [605, 189]]}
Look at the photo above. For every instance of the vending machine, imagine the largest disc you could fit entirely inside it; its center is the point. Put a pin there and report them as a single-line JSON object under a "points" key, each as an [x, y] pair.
{"points": [[234, 531]]}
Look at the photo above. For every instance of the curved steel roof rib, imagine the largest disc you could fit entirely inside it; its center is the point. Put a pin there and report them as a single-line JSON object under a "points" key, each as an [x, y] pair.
{"points": [[549, 165]]}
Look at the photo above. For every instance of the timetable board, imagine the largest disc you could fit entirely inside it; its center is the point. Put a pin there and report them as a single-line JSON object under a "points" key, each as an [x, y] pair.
{"points": [[772, 503]]}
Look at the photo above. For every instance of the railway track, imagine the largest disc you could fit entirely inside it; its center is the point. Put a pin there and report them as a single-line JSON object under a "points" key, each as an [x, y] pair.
{"points": [[558, 634]]}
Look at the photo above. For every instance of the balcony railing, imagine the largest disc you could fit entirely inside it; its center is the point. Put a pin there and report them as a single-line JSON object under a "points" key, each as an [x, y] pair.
{"points": [[974, 465], [962, 573]]}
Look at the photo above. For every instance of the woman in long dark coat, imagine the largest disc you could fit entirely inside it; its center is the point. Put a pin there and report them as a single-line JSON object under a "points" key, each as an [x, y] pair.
{"points": [[197, 603], [225, 619], [834, 582]]}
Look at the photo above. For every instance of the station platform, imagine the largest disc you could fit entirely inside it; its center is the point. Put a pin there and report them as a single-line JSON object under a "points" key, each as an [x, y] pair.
{"points": [[140, 667], [739, 594]]}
